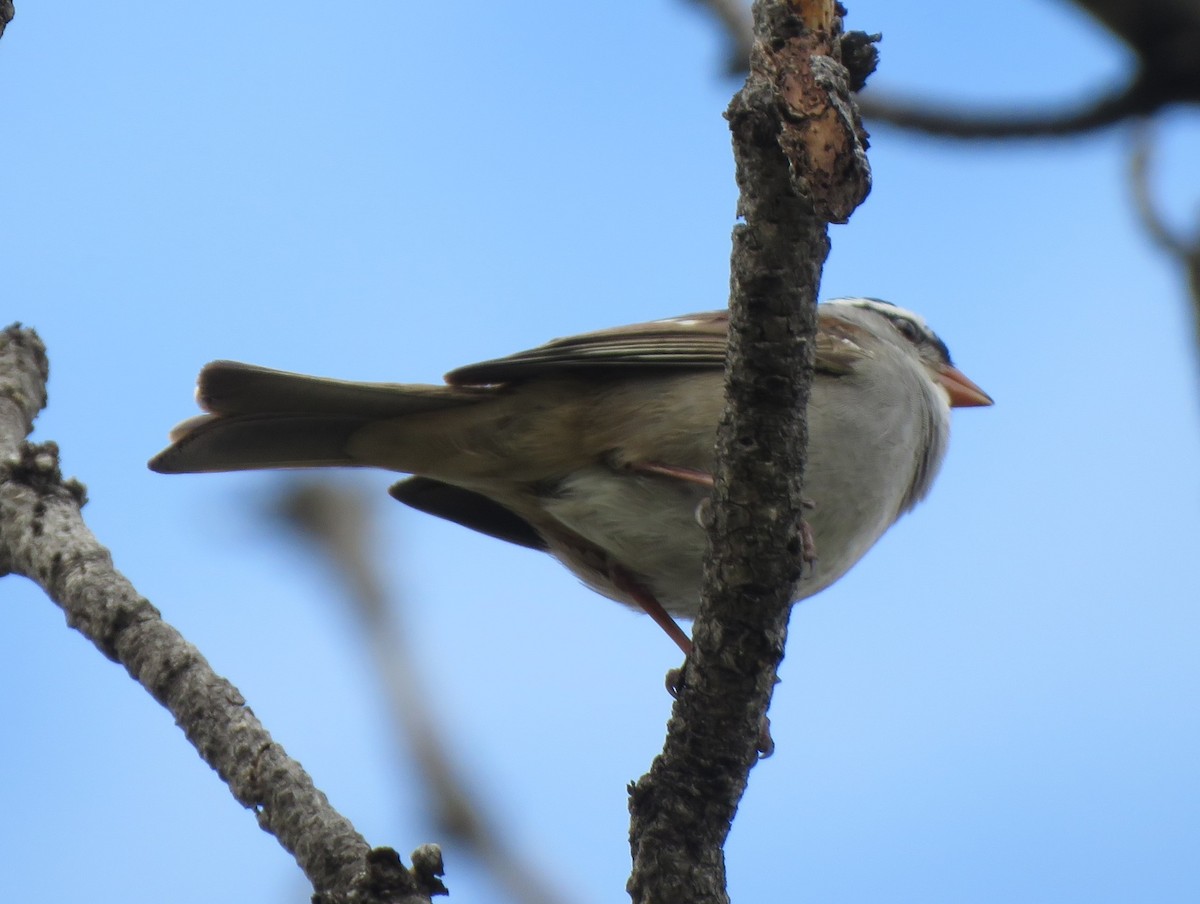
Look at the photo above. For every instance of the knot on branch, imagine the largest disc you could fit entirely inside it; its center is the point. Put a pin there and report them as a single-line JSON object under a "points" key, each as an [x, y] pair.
{"points": [[803, 73], [37, 468], [860, 56], [820, 131], [427, 868], [388, 881]]}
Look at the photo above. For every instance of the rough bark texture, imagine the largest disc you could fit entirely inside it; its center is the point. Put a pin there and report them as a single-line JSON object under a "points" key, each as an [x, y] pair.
{"points": [[24, 371], [43, 537], [801, 164]]}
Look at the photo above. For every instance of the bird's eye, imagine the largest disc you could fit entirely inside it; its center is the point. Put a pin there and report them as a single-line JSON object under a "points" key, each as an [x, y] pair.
{"points": [[908, 329]]}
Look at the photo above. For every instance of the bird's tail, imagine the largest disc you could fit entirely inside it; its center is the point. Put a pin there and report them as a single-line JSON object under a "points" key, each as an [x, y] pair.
{"points": [[261, 418]]}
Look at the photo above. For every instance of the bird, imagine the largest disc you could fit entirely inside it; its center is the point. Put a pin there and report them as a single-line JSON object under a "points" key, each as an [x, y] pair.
{"points": [[600, 448]]}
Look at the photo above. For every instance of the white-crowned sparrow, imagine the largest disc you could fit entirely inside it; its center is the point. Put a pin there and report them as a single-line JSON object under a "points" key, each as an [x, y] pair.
{"points": [[599, 448]]}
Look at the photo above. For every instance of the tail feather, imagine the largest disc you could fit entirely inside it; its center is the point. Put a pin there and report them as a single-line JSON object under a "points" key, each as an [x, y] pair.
{"points": [[253, 442], [260, 418], [229, 387]]}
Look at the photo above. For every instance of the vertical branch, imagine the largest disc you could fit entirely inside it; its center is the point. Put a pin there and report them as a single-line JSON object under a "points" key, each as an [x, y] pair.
{"points": [[801, 164]]}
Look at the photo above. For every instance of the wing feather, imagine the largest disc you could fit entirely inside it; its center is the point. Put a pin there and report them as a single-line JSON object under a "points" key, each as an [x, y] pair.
{"points": [[693, 341]]}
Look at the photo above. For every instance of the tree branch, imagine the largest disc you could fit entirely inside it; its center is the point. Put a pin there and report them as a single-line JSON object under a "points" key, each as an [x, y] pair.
{"points": [[6, 14], [943, 122], [801, 164], [1184, 249], [43, 537]]}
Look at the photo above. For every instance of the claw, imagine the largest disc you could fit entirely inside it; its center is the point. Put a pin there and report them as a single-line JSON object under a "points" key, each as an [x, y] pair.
{"points": [[766, 744], [676, 680]]}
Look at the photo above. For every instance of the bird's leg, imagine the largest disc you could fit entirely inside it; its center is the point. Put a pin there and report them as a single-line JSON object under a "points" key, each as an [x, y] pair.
{"points": [[651, 606], [690, 475]]}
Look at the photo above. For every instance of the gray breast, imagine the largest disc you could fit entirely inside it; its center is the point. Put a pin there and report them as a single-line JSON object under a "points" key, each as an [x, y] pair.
{"points": [[876, 440]]}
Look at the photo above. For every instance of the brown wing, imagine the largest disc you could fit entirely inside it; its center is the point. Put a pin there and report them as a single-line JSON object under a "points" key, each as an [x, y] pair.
{"points": [[689, 341], [839, 345]]}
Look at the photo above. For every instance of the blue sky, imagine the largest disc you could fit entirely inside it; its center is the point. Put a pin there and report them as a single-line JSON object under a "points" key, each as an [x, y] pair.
{"points": [[997, 704]]}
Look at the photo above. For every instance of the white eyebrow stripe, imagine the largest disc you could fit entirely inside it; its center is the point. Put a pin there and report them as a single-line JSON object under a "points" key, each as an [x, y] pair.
{"points": [[886, 309]]}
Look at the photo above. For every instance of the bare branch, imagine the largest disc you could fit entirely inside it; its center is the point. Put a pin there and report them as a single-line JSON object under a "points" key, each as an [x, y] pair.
{"points": [[801, 163], [1152, 220], [1185, 250], [338, 522], [43, 537], [1162, 34], [943, 122]]}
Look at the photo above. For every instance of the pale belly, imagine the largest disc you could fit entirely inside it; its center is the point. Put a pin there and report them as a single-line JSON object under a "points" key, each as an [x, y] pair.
{"points": [[650, 526]]}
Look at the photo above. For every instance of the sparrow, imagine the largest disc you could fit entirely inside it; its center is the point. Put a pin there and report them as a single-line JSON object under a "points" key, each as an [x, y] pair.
{"points": [[599, 448]]}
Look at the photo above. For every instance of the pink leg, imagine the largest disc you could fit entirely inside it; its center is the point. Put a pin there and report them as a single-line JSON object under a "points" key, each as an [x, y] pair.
{"points": [[651, 607], [691, 475]]}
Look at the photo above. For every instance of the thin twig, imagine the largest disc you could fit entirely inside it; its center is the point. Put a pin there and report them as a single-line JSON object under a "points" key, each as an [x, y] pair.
{"points": [[969, 124], [1185, 250]]}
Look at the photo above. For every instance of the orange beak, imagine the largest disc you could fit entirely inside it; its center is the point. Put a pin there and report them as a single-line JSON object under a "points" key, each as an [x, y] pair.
{"points": [[963, 393]]}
